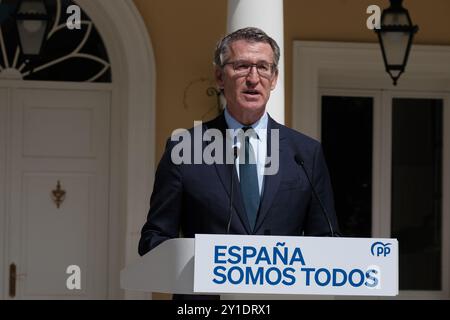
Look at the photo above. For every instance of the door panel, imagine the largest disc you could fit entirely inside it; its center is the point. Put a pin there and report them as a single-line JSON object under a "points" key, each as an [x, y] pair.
{"points": [[416, 214], [59, 136], [3, 121], [57, 139], [46, 275], [349, 159]]}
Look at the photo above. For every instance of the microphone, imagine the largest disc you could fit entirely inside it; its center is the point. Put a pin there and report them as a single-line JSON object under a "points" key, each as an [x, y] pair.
{"points": [[230, 215], [300, 162]]}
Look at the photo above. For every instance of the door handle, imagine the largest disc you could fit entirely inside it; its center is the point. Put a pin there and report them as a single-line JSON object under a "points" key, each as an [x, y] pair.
{"points": [[12, 280]]}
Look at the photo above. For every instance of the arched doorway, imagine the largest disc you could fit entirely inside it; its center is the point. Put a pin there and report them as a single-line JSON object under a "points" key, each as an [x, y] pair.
{"points": [[131, 134]]}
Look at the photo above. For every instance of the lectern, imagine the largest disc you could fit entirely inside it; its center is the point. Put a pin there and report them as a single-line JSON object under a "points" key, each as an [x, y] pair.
{"points": [[168, 268], [242, 264]]}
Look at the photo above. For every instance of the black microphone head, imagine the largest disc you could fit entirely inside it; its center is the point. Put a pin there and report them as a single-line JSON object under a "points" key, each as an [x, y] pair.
{"points": [[299, 159], [235, 155], [300, 162], [235, 152]]}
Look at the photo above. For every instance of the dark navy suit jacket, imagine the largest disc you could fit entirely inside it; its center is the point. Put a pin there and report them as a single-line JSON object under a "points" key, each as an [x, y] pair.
{"points": [[193, 198]]}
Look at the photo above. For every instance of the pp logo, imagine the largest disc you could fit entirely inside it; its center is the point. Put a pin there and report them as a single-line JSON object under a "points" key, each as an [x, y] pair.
{"points": [[380, 248]]}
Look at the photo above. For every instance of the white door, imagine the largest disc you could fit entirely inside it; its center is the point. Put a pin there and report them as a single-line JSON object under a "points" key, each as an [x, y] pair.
{"points": [[3, 121], [59, 141]]}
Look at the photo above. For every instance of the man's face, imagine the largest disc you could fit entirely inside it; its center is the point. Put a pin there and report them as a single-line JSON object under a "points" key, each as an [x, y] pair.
{"points": [[247, 94]]}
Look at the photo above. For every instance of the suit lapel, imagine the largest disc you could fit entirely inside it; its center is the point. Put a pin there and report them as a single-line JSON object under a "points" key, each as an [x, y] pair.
{"points": [[226, 172], [271, 182]]}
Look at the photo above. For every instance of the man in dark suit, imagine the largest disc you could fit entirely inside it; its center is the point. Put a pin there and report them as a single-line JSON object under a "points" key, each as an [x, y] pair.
{"points": [[196, 198]]}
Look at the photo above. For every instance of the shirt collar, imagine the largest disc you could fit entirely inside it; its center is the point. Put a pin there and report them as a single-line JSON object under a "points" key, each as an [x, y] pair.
{"points": [[232, 123]]}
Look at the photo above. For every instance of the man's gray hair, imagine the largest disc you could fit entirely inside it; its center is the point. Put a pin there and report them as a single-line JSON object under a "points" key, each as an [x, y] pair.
{"points": [[250, 34]]}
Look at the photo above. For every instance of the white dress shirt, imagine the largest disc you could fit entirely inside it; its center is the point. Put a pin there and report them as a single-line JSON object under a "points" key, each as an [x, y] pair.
{"points": [[258, 143]]}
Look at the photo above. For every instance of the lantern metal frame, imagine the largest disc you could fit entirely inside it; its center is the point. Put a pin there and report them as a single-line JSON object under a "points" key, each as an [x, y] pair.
{"points": [[396, 8], [28, 16]]}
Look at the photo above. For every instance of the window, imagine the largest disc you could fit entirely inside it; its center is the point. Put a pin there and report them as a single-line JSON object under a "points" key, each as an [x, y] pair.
{"points": [[353, 124], [416, 200], [347, 143], [410, 147], [67, 55]]}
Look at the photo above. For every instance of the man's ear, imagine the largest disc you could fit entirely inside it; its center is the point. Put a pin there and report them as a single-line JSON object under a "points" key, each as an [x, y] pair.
{"points": [[219, 77], [274, 81]]}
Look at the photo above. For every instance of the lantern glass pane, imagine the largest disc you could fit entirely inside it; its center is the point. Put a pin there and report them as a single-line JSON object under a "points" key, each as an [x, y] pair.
{"points": [[395, 73], [31, 33], [395, 46], [395, 19]]}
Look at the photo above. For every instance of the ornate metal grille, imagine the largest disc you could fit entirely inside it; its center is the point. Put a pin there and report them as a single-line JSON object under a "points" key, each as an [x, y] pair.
{"points": [[67, 55]]}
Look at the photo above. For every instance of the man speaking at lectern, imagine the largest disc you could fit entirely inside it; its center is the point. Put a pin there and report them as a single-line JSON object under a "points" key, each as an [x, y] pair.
{"points": [[241, 196]]}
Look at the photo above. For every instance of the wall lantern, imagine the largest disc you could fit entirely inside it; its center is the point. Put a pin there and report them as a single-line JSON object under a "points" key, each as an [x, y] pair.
{"points": [[32, 21], [395, 35]]}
